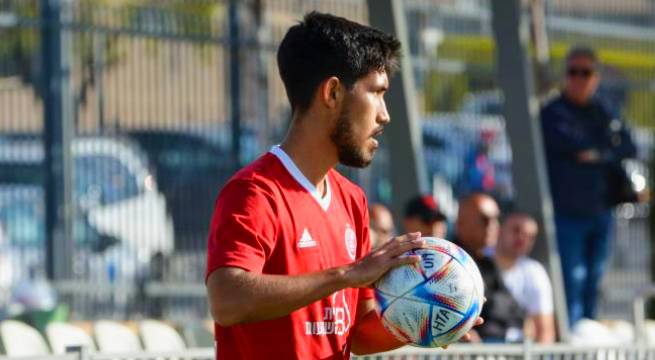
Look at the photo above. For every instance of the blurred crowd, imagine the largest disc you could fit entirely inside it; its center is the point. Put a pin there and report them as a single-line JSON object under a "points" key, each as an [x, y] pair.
{"points": [[518, 290], [586, 144]]}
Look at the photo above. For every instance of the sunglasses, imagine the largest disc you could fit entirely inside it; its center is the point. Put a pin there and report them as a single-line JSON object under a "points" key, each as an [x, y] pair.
{"points": [[486, 219], [582, 72]]}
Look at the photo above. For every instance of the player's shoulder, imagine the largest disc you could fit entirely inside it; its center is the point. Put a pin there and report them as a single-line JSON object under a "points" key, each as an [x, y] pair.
{"points": [[532, 266], [605, 106], [259, 174], [262, 166], [552, 102]]}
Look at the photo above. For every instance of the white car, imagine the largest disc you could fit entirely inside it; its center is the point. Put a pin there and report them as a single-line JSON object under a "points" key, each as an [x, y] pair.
{"points": [[112, 185], [97, 258], [121, 196]]}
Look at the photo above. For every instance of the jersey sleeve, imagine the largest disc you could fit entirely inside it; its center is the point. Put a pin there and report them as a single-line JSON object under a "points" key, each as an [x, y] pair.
{"points": [[243, 228], [365, 293], [540, 292]]}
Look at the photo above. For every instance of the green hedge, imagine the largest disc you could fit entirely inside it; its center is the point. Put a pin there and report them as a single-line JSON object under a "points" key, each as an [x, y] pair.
{"points": [[634, 60]]}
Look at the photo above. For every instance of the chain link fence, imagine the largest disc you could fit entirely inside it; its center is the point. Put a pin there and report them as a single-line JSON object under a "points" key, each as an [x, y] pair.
{"points": [[151, 85], [167, 101]]}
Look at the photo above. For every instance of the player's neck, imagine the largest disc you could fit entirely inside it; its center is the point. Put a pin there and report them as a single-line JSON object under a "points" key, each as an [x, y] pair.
{"points": [[311, 154], [504, 262]]}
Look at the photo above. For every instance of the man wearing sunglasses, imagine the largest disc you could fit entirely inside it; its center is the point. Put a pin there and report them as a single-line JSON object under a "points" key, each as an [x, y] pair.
{"points": [[584, 140], [476, 231]]}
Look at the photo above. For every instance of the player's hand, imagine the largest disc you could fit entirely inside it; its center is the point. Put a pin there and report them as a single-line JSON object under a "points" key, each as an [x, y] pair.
{"points": [[472, 336], [588, 156], [371, 267], [643, 196]]}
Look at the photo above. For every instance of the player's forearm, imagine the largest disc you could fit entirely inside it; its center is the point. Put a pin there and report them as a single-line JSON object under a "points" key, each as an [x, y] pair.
{"points": [[237, 296], [544, 328], [371, 337]]}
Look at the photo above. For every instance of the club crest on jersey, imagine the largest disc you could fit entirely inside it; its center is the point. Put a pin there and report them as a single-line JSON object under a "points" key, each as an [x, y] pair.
{"points": [[351, 241], [306, 240]]}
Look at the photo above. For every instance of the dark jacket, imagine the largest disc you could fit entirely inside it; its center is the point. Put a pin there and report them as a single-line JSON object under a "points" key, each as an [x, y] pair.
{"points": [[502, 315], [582, 189]]}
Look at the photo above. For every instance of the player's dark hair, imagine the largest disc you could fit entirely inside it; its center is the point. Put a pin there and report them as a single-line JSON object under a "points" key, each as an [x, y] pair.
{"points": [[581, 51], [324, 45]]}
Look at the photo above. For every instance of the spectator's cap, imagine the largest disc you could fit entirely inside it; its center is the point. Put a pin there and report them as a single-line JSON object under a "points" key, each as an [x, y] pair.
{"points": [[487, 135], [425, 208]]}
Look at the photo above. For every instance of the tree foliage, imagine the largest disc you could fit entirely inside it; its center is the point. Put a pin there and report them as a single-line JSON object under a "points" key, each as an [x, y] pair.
{"points": [[96, 28]]}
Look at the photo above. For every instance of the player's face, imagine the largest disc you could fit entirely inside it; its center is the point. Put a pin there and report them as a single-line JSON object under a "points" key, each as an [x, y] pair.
{"points": [[361, 120], [382, 223], [581, 79], [486, 225], [518, 236]]}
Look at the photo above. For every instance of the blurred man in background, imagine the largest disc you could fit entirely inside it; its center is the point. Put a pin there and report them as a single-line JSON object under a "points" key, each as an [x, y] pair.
{"points": [[526, 278], [422, 215], [476, 232], [585, 142], [382, 227]]}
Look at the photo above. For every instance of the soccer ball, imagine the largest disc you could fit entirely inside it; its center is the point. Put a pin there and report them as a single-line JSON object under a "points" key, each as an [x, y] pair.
{"points": [[434, 302]]}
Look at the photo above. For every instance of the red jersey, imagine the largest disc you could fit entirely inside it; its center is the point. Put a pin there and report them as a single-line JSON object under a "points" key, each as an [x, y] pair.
{"points": [[269, 219]]}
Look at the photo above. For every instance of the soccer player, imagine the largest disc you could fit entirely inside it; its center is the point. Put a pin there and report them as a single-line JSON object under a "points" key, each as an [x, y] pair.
{"points": [[289, 268]]}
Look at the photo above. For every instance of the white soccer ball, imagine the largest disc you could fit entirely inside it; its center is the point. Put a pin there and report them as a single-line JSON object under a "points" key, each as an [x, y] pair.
{"points": [[434, 302]]}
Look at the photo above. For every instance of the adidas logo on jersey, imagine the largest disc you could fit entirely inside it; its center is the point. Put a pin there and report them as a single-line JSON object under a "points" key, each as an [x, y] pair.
{"points": [[306, 240]]}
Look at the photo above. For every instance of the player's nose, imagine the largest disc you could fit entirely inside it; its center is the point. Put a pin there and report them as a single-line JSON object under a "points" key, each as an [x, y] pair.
{"points": [[383, 115]]}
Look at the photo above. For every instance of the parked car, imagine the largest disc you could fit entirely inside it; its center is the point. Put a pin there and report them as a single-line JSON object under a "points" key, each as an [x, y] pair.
{"points": [[112, 184], [98, 258], [190, 169]]}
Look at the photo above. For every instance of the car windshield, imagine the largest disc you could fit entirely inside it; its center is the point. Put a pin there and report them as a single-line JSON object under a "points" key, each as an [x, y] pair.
{"points": [[101, 178], [22, 219], [22, 224], [105, 178]]}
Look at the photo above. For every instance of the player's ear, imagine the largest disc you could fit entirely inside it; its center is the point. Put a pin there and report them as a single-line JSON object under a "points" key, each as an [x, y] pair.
{"points": [[331, 92]]}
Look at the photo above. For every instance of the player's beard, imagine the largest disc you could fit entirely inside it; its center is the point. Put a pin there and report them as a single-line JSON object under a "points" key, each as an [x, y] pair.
{"points": [[348, 151]]}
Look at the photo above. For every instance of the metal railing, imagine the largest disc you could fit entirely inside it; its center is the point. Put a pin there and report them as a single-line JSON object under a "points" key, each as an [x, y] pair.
{"points": [[454, 352]]}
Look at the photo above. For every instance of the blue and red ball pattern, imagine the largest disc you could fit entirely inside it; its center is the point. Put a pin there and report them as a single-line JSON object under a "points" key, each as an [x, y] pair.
{"points": [[434, 302]]}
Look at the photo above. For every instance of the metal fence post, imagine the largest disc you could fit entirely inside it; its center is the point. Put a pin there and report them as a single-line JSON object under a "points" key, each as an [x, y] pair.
{"points": [[81, 351], [235, 80], [408, 174], [521, 110], [639, 314], [58, 131], [527, 349]]}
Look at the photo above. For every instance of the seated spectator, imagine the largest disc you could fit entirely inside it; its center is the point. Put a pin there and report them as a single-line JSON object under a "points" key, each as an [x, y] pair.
{"points": [[382, 227], [526, 278], [423, 215], [477, 231]]}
